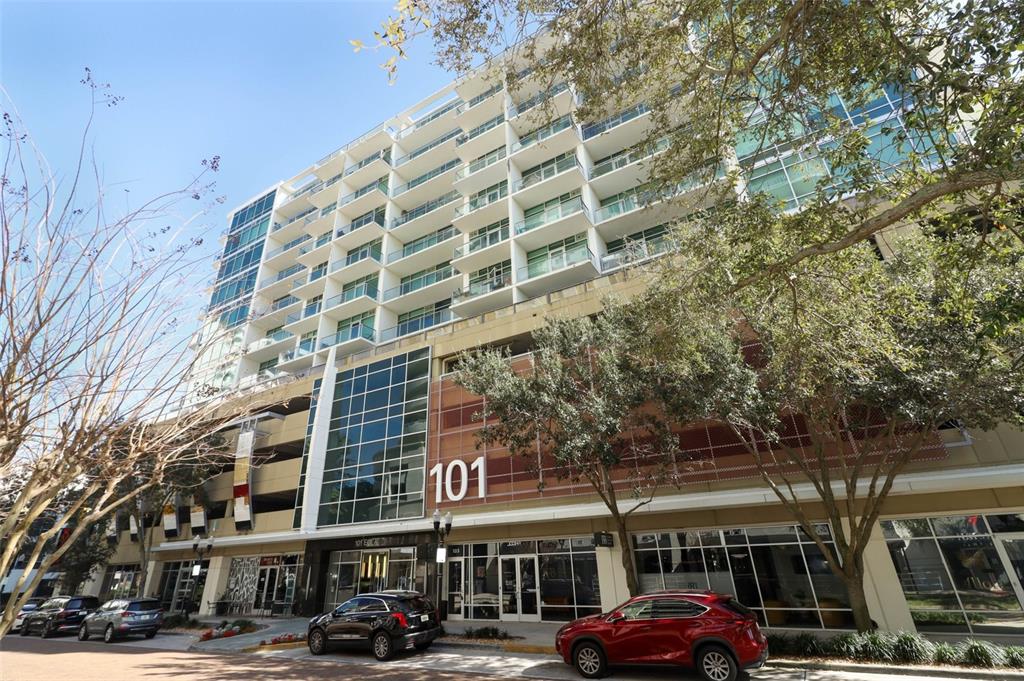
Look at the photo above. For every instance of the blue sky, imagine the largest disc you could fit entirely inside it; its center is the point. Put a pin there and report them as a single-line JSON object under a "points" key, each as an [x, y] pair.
{"points": [[268, 86]]}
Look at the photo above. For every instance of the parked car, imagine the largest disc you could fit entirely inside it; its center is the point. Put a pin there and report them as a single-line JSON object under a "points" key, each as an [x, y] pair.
{"points": [[30, 605], [123, 617], [58, 615], [700, 629], [386, 622]]}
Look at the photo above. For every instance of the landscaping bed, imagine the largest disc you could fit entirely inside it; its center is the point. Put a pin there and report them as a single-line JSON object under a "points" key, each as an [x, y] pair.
{"points": [[228, 629]]}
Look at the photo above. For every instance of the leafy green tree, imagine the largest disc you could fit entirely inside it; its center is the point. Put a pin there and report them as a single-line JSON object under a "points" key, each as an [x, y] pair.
{"points": [[576, 412], [90, 550], [836, 376], [933, 90]]}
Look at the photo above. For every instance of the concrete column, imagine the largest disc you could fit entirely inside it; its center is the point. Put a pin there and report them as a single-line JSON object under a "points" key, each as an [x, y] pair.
{"points": [[92, 584], [216, 583], [886, 601], [153, 578], [611, 576], [318, 446]]}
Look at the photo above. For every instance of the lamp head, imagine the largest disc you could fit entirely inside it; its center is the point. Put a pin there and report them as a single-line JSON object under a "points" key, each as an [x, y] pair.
{"points": [[447, 522], [437, 520]]}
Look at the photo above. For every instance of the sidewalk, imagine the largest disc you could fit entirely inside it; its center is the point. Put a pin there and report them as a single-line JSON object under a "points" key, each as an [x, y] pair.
{"points": [[526, 634], [274, 626]]}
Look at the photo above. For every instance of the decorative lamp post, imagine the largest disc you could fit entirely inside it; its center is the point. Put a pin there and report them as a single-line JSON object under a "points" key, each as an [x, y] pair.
{"points": [[441, 531]]}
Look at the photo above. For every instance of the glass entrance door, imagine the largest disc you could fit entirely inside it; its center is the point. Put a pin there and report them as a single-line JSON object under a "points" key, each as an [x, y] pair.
{"points": [[456, 588], [519, 593], [1013, 552], [266, 585]]}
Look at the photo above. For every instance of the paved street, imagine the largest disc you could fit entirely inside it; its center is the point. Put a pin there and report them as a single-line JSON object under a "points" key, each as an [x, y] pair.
{"points": [[33, 659]]}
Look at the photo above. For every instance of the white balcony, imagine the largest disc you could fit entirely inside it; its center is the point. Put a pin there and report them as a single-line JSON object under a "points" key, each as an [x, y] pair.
{"points": [[480, 174], [555, 223], [275, 313], [304, 319], [309, 286], [276, 285], [322, 221], [626, 170], [295, 226], [377, 139], [377, 164], [625, 129], [425, 218], [298, 357], [418, 160], [481, 139], [356, 300], [558, 271], [550, 141], [326, 194], [420, 189], [541, 185], [634, 212], [548, 105], [364, 199], [356, 338], [481, 211], [481, 251], [280, 254], [350, 269], [483, 296], [430, 321], [350, 235], [422, 291], [419, 256], [331, 164], [315, 252], [431, 124], [482, 107], [263, 349]]}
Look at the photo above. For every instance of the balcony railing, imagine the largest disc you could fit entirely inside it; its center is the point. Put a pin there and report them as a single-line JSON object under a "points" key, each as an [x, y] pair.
{"points": [[283, 274], [479, 288], [311, 188], [423, 323], [282, 303], [481, 129], [629, 156], [307, 311], [562, 210], [594, 129], [486, 94], [543, 133], [523, 107], [427, 147], [635, 251], [355, 331], [426, 177], [481, 241], [383, 154], [546, 172], [416, 283], [357, 256], [380, 185], [288, 246], [269, 340], [363, 220], [297, 352], [432, 116], [364, 289], [334, 180], [481, 163], [479, 201], [423, 209], [304, 215], [423, 244], [557, 261]]}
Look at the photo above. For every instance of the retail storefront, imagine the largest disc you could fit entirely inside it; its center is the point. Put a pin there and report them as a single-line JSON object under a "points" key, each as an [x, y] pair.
{"points": [[181, 585], [261, 585], [120, 581], [525, 580]]}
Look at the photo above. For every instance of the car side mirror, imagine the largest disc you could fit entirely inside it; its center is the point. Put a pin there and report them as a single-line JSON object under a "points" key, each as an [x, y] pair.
{"points": [[616, 617]]}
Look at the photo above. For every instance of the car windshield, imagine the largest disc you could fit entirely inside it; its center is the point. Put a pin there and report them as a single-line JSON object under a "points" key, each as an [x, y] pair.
{"points": [[141, 606], [29, 606], [54, 603], [737, 607]]}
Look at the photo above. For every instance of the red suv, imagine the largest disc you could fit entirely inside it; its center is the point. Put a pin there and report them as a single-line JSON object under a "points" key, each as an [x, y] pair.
{"points": [[700, 629]]}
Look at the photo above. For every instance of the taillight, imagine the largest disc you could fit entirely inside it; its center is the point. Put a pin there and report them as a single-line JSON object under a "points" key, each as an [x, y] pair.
{"points": [[400, 618], [127, 614]]}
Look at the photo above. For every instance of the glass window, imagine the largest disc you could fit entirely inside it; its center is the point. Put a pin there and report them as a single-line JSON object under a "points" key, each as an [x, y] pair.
{"points": [[638, 610]]}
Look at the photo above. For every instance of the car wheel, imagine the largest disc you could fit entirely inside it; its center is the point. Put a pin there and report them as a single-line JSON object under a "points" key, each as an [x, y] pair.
{"points": [[422, 646], [317, 642], [24, 629], [382, 648], [589, 660], [83, 632], [150, 634], [108, 634], [45, 631], [715, 663]]}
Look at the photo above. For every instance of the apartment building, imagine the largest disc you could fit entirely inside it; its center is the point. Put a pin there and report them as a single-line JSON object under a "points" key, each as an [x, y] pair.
{"points": [[348, 289]]}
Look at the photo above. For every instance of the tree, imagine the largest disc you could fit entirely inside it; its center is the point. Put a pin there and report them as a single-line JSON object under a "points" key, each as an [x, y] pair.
{"points": [[93, 363], [576, 413], [89, 551], [837, 377], [933, 88]]}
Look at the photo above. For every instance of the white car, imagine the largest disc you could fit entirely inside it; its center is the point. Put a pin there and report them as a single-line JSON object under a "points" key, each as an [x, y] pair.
{"points": [[31, 605]]}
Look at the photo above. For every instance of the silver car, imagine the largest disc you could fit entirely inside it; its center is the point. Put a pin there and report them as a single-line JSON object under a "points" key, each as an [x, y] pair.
{"points": [[30, 605], [123, 617]]}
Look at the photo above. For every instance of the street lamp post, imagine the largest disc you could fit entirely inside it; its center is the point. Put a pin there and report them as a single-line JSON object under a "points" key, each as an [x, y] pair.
{"points": [[441, 532], [201, 547]]}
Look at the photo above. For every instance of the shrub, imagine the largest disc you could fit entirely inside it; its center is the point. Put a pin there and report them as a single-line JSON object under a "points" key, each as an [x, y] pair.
{"points": [[845, 646], [243, 625], [911, 648], [1014, 656], [945, 653], [877, 646], [486, 632], [780, 644], [179, 621], [975, 653]]}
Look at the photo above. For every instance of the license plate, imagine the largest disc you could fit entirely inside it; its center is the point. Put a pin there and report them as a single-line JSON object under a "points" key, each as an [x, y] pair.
{"points": [[149, 617], [424, 618]]}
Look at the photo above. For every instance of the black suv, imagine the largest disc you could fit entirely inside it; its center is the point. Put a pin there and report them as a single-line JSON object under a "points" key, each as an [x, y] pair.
{"points": [[386, 622], [58, 614]]}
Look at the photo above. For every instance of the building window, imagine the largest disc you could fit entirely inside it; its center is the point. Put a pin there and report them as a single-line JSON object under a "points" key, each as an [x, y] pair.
{"points": [[778, 572], [958, 572]]}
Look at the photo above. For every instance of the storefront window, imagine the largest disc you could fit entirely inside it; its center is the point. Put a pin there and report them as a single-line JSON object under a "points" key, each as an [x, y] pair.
{"points": [[959, 573], [120, 581], [776, 571]]}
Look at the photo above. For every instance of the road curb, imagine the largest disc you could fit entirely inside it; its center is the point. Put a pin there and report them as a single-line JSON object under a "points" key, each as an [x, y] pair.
{"points": [[507, 646], [1001, 674]]}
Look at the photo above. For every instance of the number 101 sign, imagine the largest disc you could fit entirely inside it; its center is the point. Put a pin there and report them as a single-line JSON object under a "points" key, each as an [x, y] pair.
{"points": [[451, 480]]}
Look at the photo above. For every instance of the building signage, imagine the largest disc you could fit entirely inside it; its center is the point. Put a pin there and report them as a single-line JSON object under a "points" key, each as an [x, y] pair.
{"points": [[170, 520], [603, 539], [197, 519], [451, 481], [242, 476]]}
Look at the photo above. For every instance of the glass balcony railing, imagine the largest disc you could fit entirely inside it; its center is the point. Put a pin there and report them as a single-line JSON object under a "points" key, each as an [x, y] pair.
{"points": [[479, 288], [364, 289], [307, 311], [546, 172], [635, 251], [594, 129], [383, 154], [479, 201], [562, 210], [481, 163], [316, 274], [304, 216], [301, 350], [628, 156], [559, 260], [618, 207], [481, 241], [426, 177], [416, 283], [423, 244], [283, 274], [269, 340], [334, 180], [380, 185], [542, 134], [423, 209], [480, 129], [374, 217], [364, 331], [357, 256], [485, 95], [416, 153], [288, 246], [523, 107], [282, 303], [308, 189], [432, 116], [323, 239], [416, 325]]}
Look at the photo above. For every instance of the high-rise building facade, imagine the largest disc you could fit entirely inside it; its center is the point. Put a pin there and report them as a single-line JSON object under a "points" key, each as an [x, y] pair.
{"points": [[346, 292]]}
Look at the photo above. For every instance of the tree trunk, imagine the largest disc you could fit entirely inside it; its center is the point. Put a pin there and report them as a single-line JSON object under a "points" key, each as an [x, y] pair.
{"points": [[854, 580], [628, 564]]}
